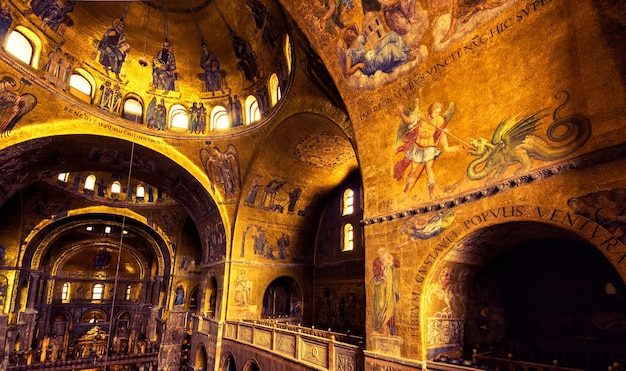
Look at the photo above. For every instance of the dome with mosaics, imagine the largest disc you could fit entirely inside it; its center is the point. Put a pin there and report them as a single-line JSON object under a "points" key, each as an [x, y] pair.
{"points": [[170, 67]]}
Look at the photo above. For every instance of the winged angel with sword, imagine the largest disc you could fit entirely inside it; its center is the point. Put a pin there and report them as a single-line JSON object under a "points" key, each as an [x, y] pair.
{"points": [[420, 134]]}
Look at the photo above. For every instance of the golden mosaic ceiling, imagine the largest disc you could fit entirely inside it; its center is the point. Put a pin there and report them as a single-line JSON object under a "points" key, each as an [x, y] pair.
{"points": [[247, 38]]}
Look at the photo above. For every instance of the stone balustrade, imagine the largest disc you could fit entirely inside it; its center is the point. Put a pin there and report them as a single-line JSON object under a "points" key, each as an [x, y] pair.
{"points": [[318, 348]]}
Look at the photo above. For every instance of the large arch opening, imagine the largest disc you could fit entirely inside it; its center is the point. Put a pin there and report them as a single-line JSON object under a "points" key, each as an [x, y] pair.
{"points": [[211, 294], [528, 292], [229, 364], [200, 363], [72, 241], [283, 299]]}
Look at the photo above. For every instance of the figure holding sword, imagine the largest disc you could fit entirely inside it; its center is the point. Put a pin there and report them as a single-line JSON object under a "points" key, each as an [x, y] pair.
{"points": [[424, 132]]}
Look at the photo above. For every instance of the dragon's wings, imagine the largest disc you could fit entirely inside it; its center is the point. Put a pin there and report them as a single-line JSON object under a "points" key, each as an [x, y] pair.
{"points": [[513, 131]]}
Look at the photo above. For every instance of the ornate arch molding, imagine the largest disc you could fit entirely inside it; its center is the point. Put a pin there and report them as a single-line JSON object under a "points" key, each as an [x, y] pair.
{"points": [[73, 249], [251, 364], [459, 240], [587, 230], [47, 232], [180, 176]]}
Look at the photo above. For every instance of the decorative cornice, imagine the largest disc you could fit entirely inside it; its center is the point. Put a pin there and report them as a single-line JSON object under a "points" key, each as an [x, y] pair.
{"points": [[596, 158]]}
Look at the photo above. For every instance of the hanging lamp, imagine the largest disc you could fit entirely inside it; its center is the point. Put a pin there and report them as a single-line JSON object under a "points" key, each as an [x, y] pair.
{"points": [[143, 61]]}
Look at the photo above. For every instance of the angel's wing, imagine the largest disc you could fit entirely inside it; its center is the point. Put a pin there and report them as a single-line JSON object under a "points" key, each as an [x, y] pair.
{"points": [[233, 158], [448, 113], [205, 157], [447, 116]]}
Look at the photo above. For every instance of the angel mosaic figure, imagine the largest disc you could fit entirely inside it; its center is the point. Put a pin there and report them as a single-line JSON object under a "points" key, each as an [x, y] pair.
{"points": [[421, 133], [222, 169], [13, 105]]}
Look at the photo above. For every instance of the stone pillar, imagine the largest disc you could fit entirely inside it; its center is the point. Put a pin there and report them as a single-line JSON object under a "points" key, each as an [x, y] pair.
{"points": [[172, 340], [146, 292], [32, 290], [156, 290], [42, 297]]}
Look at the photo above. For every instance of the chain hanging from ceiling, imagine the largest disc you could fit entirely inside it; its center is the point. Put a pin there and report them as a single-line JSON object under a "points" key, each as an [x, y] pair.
{"points": [[143, 61], [119, 259], [165, 31], [195, 21]]}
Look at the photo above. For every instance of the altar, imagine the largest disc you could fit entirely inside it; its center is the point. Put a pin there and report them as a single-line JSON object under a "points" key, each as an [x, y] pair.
{"points": [[93, 343]]}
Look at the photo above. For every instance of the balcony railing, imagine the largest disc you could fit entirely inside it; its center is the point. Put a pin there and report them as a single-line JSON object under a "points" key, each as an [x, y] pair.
{"points": [[94, 362], [317, 348]]}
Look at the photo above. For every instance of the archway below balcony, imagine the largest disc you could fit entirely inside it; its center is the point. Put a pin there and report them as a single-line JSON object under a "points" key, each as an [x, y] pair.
{"points": [[283, 300]]}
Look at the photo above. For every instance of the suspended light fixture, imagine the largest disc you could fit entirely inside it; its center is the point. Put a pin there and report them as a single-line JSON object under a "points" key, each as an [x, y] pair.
{"points": [[143, 61]]}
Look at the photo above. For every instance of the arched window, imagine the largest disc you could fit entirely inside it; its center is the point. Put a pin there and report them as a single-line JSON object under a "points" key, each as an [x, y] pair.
{"points": [[141, 192], [21, 46], [288, 53], [65, 292], [116, 188], [253, 113], [133, 110], [219, 118], [275, 93], [230, 365], [179, 118], [347, 206], [90, 182], [80, 87], [63, 177], [127, 292], [348, 237], [97, 292]]}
